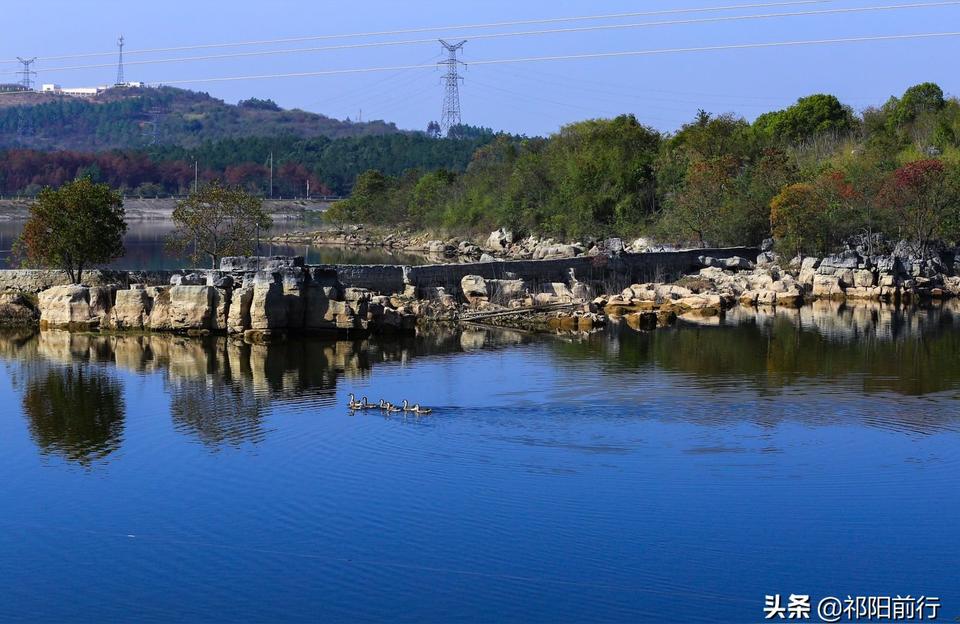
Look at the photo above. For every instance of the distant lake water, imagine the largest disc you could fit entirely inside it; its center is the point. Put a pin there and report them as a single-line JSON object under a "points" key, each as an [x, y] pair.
{"points": [[673, 476], [146, 250]]}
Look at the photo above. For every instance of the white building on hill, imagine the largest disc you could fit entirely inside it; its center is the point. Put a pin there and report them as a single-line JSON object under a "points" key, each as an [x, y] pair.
{"points": [[84, 91]]}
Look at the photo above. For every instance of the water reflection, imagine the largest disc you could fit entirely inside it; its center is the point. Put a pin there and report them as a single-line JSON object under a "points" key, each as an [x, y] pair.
{"points": [[75, 411], [868, 347], [221, 390]]}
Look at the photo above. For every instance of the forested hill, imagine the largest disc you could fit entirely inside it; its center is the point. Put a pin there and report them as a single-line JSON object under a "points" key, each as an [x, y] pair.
{"points": [[329, 165], [124, 119]]}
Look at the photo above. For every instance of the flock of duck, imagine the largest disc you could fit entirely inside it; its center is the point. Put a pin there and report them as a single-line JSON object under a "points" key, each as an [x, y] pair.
{"points": [[387, 406]]}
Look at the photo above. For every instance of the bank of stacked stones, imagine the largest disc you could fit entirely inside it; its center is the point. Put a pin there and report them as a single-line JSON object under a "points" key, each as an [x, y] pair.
{"points": [[262, 297], [257, 298]]}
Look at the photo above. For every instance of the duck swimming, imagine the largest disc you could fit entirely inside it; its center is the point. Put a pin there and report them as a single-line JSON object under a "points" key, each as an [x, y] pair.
{"points": [[390, 407], [416, 409], [353, 403]]}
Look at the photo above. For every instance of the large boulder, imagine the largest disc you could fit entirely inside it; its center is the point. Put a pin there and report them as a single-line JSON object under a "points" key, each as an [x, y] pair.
{"points": [[827, 287], [846, 260], [863, 278], [808, 269], [293, 280], [474, 289], [66, 306], [17, 309], [737, 263], [268, 309], [191, 307], [222, 298], [160, 308], [500, 239], [238, 315], [319, 309], [505, 290], [131, 309]]}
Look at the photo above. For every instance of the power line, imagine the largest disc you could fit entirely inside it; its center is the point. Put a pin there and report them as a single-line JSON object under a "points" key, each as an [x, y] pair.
{"points": [[580, 29], [408, 31], [569, 57]]}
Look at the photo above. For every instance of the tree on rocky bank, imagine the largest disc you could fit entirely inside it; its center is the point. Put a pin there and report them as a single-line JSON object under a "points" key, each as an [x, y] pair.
{"points": [[217, 221], [75, 227], [925, 198]]}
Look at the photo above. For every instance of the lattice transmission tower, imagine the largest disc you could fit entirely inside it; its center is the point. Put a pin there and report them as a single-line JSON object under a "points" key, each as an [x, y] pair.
{"points": [[450, 116], [26, 72], [120, 80], [152, 128]]}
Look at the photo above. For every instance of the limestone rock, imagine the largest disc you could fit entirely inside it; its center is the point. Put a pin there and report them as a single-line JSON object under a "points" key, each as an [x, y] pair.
{"points": [[17, 309], [131, 310], [191, 307], [268, 308], [504, 290], [320, 309], [827, 287], [737, 263], [160, 308], [645, 321], [474, 289], [500, 239], [65, 306], [238, 316], [791, 298], [863, 278], [222, 298]]}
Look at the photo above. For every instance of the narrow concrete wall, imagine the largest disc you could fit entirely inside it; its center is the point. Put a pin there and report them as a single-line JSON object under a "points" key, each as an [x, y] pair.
{"points": [[382, 278], [626, 268]]}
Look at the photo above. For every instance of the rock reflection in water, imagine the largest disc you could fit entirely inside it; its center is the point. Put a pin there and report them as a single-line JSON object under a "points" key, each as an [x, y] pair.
{"points": [[868, 347], [220, 388]]}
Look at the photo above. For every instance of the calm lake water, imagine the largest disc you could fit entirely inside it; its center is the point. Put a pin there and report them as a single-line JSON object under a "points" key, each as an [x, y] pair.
{"points": [[145, 246], [673, 476]]}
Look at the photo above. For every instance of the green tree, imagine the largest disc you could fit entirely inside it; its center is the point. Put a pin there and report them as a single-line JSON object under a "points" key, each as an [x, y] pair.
{"points": [[795, 218], [923, 98], [603, 175], [218, 221], [428, 194], [696, 209], [810, 116], [712, 136], [75, 227]]}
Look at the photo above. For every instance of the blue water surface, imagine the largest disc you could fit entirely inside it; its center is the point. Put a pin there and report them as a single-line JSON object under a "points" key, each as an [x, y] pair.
{"points": [[675, 476]]}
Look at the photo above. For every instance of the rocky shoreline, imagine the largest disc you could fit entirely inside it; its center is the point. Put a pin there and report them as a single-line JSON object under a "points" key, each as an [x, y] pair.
{"points": [[502, 244], [267, 298]]}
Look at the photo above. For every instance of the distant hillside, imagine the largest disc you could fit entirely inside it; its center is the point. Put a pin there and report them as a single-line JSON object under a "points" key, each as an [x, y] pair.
{"points": [[123, 118]]}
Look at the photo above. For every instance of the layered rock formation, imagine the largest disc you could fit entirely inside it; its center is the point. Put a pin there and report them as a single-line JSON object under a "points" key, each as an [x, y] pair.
{"points": [[284, 296]]}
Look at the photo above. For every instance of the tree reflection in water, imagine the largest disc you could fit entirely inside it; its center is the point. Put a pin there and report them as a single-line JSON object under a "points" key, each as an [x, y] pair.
{"points": [[222, 388], [76, 412]]}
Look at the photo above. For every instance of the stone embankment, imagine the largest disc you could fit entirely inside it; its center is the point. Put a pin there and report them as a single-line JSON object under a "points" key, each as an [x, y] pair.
{"points": [[260, 298]]}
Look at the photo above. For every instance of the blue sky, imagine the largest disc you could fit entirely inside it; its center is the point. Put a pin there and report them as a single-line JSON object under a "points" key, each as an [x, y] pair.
{"points": [[664, 91]]}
